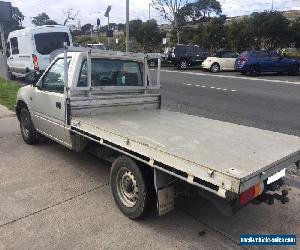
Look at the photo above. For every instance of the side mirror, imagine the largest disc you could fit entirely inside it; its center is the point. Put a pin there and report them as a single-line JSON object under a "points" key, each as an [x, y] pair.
{"points": [[31, 78]]}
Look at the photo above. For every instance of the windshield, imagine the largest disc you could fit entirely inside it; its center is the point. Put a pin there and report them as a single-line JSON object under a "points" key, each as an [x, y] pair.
{"points": [[107, 72], [47, 42]]}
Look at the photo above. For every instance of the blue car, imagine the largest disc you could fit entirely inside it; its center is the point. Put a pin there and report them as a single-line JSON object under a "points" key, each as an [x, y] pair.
{"points": [[254, 62]]}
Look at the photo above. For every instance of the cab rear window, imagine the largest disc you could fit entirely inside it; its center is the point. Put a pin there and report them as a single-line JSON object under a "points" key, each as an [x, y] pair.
{"points": [[47, 42]]}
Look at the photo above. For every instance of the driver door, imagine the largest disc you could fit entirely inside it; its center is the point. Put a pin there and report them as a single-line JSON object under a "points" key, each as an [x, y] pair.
{"points": [[49, 104]]}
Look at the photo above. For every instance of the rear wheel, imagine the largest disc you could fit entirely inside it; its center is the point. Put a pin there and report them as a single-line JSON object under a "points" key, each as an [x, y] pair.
{"points": [[254, 70], [132, 190], [244, 72], [183, 64], [215, 68], [28, 131]]}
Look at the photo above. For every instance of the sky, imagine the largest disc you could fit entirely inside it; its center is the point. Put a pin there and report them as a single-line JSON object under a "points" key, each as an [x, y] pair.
{"points": [[90, 10]]}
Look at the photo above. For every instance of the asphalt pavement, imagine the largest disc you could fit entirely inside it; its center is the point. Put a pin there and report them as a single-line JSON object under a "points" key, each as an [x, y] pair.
{"points": [[268, 102]]}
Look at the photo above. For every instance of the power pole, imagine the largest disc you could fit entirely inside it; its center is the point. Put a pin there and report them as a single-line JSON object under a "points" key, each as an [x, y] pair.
{"points": [[4, 49], [272, 8], [127, 25], [149, 11]]}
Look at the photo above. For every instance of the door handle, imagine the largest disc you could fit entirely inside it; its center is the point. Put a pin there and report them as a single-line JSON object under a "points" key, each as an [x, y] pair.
{"points": [[58, 105]]}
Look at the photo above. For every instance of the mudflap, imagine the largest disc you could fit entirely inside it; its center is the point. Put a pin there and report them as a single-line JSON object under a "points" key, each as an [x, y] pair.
{"points": [[165, 192]]}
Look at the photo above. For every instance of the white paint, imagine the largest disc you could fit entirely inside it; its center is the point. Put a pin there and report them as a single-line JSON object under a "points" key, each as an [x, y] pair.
{"points": [[276, 176], [203, 86], [232, 77]]}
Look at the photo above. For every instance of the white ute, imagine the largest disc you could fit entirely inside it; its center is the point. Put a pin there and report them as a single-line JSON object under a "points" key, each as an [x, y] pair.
{"points": [[105, 103]]}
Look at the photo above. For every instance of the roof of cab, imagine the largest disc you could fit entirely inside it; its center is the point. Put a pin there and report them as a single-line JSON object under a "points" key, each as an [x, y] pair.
{"points": [[37, 29]]}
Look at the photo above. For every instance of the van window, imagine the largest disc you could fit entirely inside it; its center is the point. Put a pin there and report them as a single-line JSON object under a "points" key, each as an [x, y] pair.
{"points": [[106, 72], [14, 45], [47, 42]]}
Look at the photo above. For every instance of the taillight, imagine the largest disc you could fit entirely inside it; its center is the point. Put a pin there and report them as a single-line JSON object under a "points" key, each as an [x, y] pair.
{"points": [[251, 193], [244, 59], [35, 62]]}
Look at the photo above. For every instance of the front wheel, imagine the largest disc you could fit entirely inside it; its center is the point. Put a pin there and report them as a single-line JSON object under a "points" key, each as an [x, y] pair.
{"points": [[130, 189], [215, 68], [293, 71], [28, 131], [183, 64]]}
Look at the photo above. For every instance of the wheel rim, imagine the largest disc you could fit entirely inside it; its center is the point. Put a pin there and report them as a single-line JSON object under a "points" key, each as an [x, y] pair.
{"points": [[127, 187], [215, 68], [25, 125], [183, 64]]}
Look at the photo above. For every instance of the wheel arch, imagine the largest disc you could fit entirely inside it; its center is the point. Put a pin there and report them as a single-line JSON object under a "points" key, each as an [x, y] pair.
{"points": [[20, 104]]}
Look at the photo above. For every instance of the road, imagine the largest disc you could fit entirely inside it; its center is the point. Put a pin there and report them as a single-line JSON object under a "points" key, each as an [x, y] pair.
{"points": [[266, 102]]}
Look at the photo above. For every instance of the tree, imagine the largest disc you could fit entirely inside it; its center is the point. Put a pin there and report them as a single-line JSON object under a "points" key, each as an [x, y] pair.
{"points": [[201, 10], [42, 19], [86, 28], [70, 15], [170, 11], [149, 36], [295, 31], [270, 28], [16, 23], [135, 27]]}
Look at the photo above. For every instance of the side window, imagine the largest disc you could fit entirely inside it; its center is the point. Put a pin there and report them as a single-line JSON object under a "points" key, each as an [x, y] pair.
{"points": [[106, 72], [190, 50], [54, 78], [8, 49], [198, 50], [14, 45], [230, 55]]}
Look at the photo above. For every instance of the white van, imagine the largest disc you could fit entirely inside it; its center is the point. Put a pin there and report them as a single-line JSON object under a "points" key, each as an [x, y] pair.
{"points": [[29, 49]]}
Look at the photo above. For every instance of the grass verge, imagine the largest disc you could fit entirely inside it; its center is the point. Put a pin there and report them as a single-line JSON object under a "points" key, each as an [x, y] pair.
{"points": [[8, 93]]}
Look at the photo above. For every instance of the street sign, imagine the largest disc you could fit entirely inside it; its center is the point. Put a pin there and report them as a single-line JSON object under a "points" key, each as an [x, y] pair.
{"points": [[5, 12], [117, 40], [164, 41]]}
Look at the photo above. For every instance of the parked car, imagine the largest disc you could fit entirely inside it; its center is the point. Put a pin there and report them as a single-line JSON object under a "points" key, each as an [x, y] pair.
{"points": [[186, 55], [221, 60], [29, 49], [257, 61]]}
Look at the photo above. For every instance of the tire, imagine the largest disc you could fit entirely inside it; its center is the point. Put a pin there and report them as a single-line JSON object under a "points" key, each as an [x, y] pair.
{"points": [[11, 76], [294, 70], [29, 134], [215, 68], [183, 64], [244, 72], [131, 188], [254, 70]]}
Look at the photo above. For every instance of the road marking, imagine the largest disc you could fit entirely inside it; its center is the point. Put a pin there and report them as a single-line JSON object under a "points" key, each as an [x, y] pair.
{"points": [[204, 86], [232, 77]]}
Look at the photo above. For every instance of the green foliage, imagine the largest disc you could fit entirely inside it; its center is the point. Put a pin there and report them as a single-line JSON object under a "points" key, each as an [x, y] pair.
{"points": [[16, 23], [295, 32], [42, 19], [8, 93], [270, 28]]}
